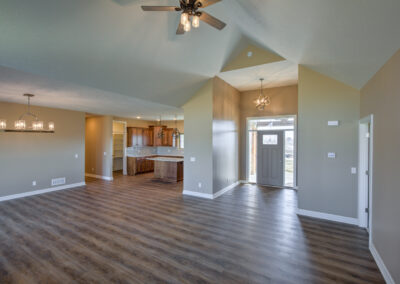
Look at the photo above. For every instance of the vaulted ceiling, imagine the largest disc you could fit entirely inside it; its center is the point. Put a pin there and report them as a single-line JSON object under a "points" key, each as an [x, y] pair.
{"points": [[114, 47]]}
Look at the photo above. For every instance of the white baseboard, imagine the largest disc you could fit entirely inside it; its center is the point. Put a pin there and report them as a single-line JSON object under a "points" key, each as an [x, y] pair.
{"points": [[99, 177], [326, 216], [209, 195], [41, 191], [224, 190], [197, 194], [381, 265]]}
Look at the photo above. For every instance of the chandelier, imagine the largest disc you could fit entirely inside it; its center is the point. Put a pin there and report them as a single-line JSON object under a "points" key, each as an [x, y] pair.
{"points": [[262, 100], [160, 133], [20, 125], [175, 131]]}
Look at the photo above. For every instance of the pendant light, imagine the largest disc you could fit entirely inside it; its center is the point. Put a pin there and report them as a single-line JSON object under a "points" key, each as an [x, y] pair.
{"points": [[262, 101], [20, 125]]}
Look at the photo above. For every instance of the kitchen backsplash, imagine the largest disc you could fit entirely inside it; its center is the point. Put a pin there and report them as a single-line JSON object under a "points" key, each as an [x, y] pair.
{"points": [[139, 151]]}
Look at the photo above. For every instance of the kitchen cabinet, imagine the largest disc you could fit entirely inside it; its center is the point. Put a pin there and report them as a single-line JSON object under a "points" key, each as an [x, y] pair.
{"points": [[139, 165], [150, 136], [137, 137], [158, 141]]}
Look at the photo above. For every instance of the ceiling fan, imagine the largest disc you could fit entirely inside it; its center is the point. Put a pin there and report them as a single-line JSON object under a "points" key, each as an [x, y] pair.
{"points": [[191, 16]]}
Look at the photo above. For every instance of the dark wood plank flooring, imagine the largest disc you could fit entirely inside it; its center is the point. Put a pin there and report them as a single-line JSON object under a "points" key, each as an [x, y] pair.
{"points": [[137, 230]]}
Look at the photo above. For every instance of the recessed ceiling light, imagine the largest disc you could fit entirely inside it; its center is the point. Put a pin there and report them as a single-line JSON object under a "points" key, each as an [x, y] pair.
{"points": [[138, 117], [249, 54]]}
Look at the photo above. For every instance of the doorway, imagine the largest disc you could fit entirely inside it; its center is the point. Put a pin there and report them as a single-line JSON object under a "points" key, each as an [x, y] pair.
{"points": [[365, 172], [271, 151], [119, 161]]}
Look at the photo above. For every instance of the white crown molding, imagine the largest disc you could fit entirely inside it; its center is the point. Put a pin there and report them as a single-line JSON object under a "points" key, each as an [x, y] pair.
{"points": [[41, 191], [326, 216], [99, 177]]}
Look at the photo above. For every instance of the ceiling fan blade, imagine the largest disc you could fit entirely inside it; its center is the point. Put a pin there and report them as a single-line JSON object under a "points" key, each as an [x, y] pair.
{"points": [[160, 8], [212, 21], [205, 3], [180, 30]]}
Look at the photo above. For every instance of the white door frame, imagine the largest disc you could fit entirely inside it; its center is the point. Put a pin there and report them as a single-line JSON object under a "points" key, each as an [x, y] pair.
{"points": [[365, 164], [295, 143]]}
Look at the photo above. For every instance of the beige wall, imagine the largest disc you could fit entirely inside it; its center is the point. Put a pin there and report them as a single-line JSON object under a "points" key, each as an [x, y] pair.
{"points": [[225, 134], [27, 157], [327, 185], [198, 141], [99, 140], [283, 102], [381, 97]]}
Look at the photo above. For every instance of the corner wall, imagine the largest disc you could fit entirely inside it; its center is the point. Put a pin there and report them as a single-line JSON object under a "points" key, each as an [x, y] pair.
{"points": [[198, 141], [327, 185], [225, 128], [40, 157], [381, 97], [99, 140]]}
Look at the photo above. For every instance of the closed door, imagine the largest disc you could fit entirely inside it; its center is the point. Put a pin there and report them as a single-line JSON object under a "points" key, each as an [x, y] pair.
{"points": [[270, 158]]}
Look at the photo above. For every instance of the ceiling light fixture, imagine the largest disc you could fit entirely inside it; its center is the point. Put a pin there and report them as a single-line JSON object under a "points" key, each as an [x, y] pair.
{"points": [[262, 100], [20, 125]]}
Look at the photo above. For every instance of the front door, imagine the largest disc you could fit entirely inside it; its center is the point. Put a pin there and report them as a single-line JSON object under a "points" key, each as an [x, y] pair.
{"points": [[270, 158]]}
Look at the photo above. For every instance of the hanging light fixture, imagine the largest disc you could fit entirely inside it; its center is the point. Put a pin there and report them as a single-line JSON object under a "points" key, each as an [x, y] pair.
{"points": [[262, 101], [20, 125], [175, 133]]}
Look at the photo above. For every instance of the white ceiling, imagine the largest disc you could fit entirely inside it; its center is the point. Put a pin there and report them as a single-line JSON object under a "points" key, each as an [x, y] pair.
{"points": [[277, 74], [115, 47], [58, 94]]}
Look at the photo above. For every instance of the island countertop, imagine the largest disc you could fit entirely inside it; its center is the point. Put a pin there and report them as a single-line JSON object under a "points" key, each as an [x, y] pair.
{"points": [[166, 159]]}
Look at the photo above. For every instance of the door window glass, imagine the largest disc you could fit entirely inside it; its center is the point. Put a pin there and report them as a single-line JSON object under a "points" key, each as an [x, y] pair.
{"points": [[270, 139]]}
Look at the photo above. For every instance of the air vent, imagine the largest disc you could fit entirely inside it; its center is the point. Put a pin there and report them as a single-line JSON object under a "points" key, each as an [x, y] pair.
{"points": [[57, 181]]}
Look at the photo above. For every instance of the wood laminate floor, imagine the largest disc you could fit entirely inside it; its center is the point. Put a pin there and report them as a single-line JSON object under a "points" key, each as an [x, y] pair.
{"points": [[137, 230]]}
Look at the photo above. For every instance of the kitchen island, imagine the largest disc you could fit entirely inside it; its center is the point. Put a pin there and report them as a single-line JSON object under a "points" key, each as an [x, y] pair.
{"points": [[168, 168]]}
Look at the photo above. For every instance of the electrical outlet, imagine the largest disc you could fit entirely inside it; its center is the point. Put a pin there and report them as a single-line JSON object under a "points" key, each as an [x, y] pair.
{"points": [[200, 185], [34, 183], [105, 153], [169, 150], [76, 156]]}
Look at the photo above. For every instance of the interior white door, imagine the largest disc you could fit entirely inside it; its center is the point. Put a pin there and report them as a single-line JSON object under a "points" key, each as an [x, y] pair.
{"points": [[270, 158]]}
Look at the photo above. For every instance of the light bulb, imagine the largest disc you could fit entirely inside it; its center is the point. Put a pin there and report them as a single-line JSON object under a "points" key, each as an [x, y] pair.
{"points": [[187, 26], [3, 124], [37, 125], [196, 21], [51, 125], [19, 124], [184, 18]]}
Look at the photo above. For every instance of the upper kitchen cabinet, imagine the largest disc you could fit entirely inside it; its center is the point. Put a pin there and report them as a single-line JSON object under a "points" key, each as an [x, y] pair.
{"points": [[138, 137]]}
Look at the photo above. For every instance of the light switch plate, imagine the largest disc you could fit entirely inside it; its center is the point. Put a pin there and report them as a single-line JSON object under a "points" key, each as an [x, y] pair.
{"points": [[193, 159], [76, 156], [331, 155], [353, 170], [34, 183], [200, 185]]}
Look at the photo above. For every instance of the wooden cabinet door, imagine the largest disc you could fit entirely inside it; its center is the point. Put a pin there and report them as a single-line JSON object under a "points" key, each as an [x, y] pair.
{"points": [[131, 166], [169, 137], [158, 141], [139, 134], [129, 137], [151, 136]]}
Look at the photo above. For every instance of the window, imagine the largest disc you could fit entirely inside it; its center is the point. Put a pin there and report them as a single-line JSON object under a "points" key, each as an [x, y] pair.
{"points": [[270, 139], [181, 141]]}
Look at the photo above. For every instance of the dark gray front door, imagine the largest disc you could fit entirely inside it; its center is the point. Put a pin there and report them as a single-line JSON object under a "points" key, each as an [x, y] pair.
{"points": [[270, 159]]}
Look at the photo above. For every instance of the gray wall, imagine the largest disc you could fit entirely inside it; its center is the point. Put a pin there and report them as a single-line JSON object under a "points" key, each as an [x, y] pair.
{"points": [[198, 141], [283, 102], [381, 97], [327, 185], [225, 134], [27, 157], [99, 139]]}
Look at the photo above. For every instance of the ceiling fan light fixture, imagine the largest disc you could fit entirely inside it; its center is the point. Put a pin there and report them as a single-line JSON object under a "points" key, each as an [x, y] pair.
{"points": [[196, 21], [187, 26], [184, 18]]}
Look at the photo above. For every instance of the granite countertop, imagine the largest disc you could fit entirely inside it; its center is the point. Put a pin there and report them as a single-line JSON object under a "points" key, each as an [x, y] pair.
{"points": [[151, 155], [166, 159]]}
